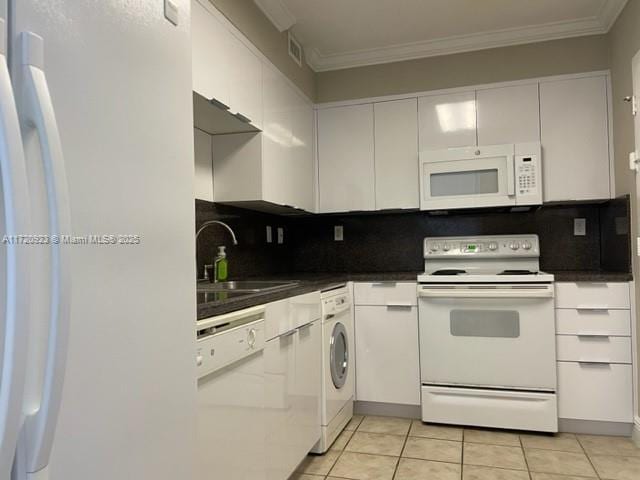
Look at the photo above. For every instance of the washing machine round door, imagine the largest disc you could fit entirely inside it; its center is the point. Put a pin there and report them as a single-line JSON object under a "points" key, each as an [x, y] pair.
{"points": [[339, 355]]}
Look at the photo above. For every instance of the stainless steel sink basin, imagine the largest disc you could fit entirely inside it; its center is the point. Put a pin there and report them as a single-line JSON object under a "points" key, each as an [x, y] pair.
{"points": [[245, 286]]}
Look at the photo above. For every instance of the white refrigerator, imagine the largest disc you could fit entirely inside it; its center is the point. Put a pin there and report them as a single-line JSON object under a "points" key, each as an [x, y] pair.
{"points": [[97, 379]]}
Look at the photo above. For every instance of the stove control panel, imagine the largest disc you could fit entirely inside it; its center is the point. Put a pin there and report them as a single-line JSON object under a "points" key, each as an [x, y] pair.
{"points": [[483, 246]]}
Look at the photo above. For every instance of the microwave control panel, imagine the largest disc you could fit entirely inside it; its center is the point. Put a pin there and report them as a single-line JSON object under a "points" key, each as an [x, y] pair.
{"points": [[528, 179]]}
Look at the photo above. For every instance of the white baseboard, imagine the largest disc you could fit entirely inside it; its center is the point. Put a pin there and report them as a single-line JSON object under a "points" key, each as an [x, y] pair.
{"points": [[636, 431]]}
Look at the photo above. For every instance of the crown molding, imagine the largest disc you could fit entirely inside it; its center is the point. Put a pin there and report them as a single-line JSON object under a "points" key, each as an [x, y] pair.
{"points": [[609, 12], [599, 24], [278, 13]]}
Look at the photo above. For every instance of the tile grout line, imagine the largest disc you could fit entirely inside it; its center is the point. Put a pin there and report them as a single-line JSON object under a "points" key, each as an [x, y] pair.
{"points": [[406, 439], [524, 455], [584, 450]]}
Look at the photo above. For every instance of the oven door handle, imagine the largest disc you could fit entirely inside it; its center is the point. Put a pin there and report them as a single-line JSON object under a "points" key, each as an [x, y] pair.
{"points": [[488, 293]]}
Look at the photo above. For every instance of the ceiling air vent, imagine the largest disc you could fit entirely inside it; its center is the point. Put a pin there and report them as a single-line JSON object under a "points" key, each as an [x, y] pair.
{"points": [[295, 50]]}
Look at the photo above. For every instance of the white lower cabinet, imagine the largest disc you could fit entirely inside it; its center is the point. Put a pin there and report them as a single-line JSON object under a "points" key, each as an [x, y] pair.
{"points": [[292, 379], [386, 342], [595, 391], [594, 351]]}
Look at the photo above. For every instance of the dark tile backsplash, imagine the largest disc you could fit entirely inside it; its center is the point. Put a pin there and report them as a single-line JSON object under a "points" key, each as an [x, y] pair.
{"points": [[393, 241]]}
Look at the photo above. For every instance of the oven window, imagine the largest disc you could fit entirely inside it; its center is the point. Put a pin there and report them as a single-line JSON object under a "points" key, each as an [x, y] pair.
{"points": [[485, 323], [464, 183]]}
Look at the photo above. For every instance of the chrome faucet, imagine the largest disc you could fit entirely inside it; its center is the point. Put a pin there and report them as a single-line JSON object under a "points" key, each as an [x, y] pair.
{"points": [[207, 224]]}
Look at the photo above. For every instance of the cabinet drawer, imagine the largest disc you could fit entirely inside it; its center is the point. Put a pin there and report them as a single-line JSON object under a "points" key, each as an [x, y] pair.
{"points": [[592, 295], [386, 293], [599, 392], [285, 315], [594, 348], [593, 322]]}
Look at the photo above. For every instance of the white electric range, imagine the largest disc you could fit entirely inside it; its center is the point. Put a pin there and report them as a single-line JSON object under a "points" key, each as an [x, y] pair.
{"points": [[487, 333]]}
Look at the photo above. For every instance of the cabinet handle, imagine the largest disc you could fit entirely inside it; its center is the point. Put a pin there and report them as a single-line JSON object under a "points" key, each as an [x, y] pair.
{"points": [[242, 118], [593, 335], [399, 305], [595, 308], [593, 363], [384, 284], [289, 333], [219, 104], [305, 326]]}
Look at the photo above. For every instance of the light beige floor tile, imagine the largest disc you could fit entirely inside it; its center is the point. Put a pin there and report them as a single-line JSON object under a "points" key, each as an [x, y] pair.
{"points": [[412, 469], [319, 464], [441, 432], [473, 472], [565, 442], [306, 476], [611, 467], [562, 463], [342, 440], [354, 422], [553, 476], [361, 466], [376, 443], [605, 445], [388, 425], [494, 456], [491, 437], [432, 449]]}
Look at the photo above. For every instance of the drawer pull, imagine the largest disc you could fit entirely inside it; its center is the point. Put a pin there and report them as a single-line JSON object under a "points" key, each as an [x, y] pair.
{"points": [[593, 363], [384, 284], [594, 309], [593, 335], [399, 305]]}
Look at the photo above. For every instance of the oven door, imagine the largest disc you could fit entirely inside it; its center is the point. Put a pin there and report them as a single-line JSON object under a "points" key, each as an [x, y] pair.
{"points": [[488, 335], [468, 177]]}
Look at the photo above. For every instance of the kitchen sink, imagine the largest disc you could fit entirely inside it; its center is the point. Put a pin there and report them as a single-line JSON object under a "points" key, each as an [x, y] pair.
{"points": [[245, 286]]}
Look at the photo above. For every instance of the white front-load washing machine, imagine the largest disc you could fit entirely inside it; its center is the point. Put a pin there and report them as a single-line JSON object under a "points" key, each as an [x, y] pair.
{"points": [[338, 357]]}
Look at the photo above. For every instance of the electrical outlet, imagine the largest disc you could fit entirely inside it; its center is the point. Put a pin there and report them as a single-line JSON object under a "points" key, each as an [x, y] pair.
{"points": [[579, 227], [269, 234], [280, 235], [338, 233]]}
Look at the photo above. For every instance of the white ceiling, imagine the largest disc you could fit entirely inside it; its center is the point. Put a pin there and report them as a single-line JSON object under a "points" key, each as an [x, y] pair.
{"points": [[346, 33]]}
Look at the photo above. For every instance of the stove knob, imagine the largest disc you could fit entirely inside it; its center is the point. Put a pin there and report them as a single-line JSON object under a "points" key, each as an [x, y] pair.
{"points": [[514, 245], [526, 245], [493, 246], [435, 247], [446, 247]]}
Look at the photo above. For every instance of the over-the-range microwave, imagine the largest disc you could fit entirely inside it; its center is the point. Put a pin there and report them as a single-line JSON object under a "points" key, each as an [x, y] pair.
{"points": [[481, 176]]}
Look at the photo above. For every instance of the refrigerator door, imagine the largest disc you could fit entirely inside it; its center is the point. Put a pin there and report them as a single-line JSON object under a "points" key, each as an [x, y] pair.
{"points": [[119, 78], [14, 267]]}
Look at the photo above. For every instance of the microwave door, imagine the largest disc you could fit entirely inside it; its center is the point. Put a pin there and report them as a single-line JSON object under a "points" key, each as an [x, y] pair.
{"points": [[468, 183]]}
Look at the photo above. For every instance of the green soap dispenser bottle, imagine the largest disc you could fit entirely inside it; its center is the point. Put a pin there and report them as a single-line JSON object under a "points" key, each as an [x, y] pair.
{"points": [[221, 265]]}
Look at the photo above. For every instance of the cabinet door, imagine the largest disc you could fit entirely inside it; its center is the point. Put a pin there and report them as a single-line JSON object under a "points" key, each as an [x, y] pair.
{"points": [[575, 139], [396, 154], [387, 355], [302, 178], [447, 121], [308, 382], [508, 115], [203, 165], [345, 157], [279, 378], [276, 139], [246, 82], [210, 42]]}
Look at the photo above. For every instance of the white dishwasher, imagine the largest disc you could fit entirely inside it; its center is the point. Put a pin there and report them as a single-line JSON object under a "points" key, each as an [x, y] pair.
{"points": [[231, 423]]}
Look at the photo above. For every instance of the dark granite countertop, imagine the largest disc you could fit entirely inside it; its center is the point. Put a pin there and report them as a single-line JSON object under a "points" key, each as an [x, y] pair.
{"points": [[307, 282], [590, 276]]}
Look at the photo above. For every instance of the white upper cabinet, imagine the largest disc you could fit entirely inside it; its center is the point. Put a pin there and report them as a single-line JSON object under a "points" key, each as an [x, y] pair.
{"points": [[203, 165], [447, 120], [508, 115], [224, 68], [345, 156], [210, 43], [245, 95], [396, 154], [575, 139], [302, 169]]}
